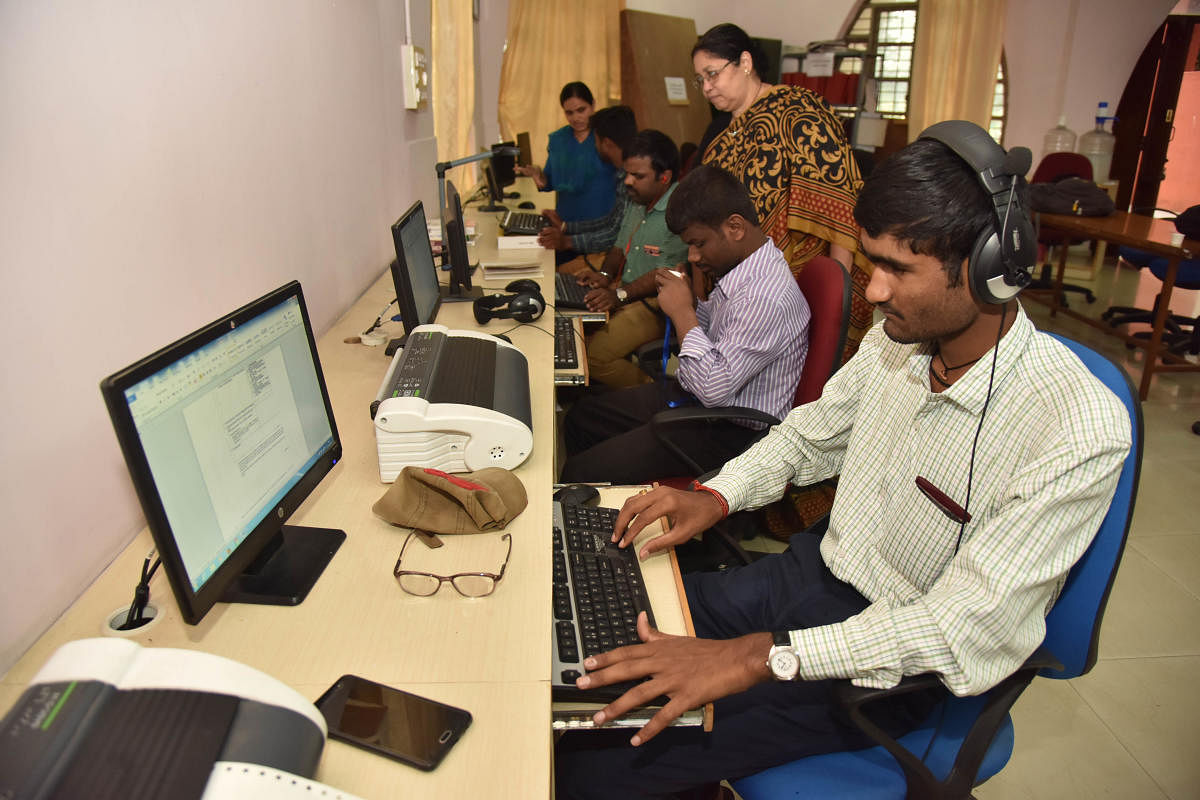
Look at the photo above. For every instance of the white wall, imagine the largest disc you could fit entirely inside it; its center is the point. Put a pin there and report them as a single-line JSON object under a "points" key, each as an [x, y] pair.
{"points": [[796, 22], [1104, 44], [162, 163]]}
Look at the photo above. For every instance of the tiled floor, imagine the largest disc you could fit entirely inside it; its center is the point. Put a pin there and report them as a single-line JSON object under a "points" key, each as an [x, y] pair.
{"points": [[1126, 729]]}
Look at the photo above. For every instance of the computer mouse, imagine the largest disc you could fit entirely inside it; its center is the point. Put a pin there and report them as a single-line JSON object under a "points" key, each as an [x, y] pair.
{"points": [[577, 494], [526, 204], [502, 336]]}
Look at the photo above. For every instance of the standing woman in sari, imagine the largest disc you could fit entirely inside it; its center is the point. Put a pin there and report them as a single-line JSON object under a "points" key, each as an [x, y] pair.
{"points": [[790, 150]]}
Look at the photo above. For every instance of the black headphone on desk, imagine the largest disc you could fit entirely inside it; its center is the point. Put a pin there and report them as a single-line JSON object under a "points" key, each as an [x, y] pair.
{"points": [[1004, 253], [524, 304]]}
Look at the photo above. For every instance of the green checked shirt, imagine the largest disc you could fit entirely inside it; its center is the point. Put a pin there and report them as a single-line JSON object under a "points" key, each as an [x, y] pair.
{"points": [[646, 241], [1049, 454]]}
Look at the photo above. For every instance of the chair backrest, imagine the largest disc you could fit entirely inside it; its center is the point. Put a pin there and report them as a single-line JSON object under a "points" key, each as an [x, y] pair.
{"points": [[1073, 624], [826, 287], [1054, 166]]}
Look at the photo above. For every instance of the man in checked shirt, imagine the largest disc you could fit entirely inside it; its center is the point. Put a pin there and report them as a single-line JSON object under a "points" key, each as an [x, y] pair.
{"points": [[911, 577]]}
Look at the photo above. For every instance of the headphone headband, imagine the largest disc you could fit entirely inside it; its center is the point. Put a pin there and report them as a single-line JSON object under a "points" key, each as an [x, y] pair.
{"points": [[1004, 253]]}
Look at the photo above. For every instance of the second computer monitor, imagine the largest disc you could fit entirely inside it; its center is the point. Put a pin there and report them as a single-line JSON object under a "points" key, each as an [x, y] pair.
{"points": [[454, 240], [413, 272]]}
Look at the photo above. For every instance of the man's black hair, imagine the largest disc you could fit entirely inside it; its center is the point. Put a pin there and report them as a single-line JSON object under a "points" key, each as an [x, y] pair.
{"points": [[576, 89], [728, 41], [656, 146], [708, 196], [616, 123], [927, 196]]}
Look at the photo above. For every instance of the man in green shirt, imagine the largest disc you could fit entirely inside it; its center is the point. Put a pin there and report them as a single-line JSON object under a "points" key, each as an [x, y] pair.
{"points": [[625, 284]]}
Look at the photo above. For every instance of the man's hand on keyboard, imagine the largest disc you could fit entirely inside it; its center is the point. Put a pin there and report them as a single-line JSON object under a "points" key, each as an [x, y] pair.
{"points": [[689, 512], [691, 672], [595, 279], [602, 300]]}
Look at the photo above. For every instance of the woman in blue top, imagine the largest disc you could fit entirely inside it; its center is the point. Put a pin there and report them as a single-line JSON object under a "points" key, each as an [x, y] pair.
{"points": [[584, 182]]}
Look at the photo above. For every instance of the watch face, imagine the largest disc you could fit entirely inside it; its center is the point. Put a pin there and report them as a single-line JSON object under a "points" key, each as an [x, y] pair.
{"points": [[784, 663]]}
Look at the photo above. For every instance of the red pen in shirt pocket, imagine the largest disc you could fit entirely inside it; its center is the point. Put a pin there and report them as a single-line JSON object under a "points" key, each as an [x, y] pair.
{"points": [[943, 501]]}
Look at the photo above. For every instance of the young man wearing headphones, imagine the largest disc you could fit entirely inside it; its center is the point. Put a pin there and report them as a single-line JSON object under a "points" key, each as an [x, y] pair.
{"points": [[976, 457], [625, 284]]}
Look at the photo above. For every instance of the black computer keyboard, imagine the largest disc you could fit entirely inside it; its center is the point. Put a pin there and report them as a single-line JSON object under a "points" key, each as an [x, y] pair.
{"points": [[598, 593], [523, 223], [568, 292], [565, 353]]}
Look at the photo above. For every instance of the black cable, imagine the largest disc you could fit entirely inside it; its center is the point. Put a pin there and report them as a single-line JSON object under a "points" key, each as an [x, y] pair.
{"points": [[141, 594]]}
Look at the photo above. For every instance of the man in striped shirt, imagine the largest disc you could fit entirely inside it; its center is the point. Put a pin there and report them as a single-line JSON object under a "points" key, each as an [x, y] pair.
{"points": [[743, 346], [952, 400]]}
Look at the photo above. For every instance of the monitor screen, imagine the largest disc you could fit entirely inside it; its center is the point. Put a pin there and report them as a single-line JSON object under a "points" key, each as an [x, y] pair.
{"points": [[523, 144], [495, 193], [225, 432], [504, 164], [413, 272], [455, 239]]}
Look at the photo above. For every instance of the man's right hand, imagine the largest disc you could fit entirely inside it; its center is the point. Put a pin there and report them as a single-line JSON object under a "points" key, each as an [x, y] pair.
{"points": [[553, 238], [690, 513], [601, 300]]}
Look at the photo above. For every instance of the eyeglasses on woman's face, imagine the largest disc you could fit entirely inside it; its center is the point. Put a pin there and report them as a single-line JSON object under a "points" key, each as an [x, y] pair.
{"points": [[709, 76]]}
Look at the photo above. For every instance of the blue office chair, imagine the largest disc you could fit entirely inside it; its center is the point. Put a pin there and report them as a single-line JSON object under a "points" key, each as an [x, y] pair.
{"points": [[972, 737]]}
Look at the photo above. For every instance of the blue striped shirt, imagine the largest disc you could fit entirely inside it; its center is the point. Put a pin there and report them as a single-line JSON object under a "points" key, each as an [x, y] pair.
{"points": [[752, 339]]}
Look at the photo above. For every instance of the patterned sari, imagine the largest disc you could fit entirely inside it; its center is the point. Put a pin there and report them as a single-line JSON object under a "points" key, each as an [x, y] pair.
{"points": [[790, 150]]}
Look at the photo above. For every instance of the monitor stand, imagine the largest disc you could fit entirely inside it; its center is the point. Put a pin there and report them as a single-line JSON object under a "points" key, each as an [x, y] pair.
{"points": [[493, 207], [459, 294], [287, 568]]}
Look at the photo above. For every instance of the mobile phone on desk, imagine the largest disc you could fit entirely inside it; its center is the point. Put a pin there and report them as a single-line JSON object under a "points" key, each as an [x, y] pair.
{"points": [[401, 725]]}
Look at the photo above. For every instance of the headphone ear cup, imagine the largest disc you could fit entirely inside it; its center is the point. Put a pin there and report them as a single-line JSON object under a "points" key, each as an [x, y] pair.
{"points": [[526, 307], [484, 307], [984, 265]]}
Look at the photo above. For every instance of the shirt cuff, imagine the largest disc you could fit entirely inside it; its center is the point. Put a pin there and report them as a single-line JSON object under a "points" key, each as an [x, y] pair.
{"points": [[824, 652]]}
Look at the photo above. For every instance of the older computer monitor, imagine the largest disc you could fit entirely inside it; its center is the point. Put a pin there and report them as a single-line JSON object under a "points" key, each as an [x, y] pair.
{"points": [[454, 241], [225, 433], [414, 274], [494, 192]]}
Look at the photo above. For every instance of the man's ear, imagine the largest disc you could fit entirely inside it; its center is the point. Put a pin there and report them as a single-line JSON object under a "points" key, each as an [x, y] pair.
{"points": [[735, 227], [666, 177]]}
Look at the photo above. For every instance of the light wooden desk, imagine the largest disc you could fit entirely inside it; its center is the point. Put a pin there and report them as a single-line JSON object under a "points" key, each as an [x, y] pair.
{"points": [[489, 655]]}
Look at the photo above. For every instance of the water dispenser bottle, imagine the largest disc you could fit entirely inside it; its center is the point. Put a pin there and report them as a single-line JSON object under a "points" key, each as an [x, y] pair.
{"points": [[1098, 144], [1059, 139]]}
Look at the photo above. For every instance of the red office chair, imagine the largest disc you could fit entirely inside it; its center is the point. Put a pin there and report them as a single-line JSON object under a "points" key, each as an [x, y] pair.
{"points": [[1055, 167], [826, 287]]}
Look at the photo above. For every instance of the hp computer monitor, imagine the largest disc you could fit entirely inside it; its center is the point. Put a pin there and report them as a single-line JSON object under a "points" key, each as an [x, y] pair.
{"points": [[454, 239], [504, 161], [495, 193], [413, 272], [225, 433]]}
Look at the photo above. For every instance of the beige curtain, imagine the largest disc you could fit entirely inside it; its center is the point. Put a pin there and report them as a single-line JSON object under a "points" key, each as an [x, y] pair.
{"points": [[453, 78], [955, 59], [551, 43]]}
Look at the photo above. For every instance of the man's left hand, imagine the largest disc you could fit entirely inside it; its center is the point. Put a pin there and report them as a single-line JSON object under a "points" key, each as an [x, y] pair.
{"points": [[690, 671], [601, 300], [674, 293]]}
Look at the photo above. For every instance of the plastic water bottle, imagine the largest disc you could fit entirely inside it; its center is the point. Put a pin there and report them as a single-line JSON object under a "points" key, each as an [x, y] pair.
{"points": [[1098, 145], [1059, 139]]}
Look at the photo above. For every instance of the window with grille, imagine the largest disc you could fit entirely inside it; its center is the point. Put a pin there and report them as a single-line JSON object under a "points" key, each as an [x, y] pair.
{"points": [[888, 28]]}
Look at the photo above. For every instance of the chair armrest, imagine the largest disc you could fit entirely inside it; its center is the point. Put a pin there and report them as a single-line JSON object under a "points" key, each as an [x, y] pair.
{"points": [[921, 782], [665, 422]]}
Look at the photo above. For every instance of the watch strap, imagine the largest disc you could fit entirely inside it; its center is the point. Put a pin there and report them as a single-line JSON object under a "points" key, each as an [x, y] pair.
{"points": [[782, 638]]}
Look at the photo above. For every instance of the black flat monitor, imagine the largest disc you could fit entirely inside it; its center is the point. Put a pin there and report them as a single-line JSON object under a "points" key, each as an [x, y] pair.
{"points": [[454, 240], [504, 162], [413, 272], [526, 148], [225, 433], [495, 193]]}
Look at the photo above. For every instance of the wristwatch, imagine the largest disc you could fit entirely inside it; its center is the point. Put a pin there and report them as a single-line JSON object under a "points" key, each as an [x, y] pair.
{"points": [[783, 661], [622, 295]]}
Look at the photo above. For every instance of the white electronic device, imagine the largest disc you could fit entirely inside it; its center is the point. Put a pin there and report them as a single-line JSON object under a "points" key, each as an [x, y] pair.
{"points": [[454, 400]]}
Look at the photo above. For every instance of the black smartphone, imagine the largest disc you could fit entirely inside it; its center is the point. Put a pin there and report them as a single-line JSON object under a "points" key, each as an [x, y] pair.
{"points": [[400, 725]]}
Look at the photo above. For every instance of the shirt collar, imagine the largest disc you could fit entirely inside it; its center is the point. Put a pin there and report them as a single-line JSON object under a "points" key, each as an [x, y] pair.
{"points": [[661, 206], [743, 272], [971, 390]]}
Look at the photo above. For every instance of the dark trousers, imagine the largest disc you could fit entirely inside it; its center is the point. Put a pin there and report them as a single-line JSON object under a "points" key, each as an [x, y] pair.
{"points": [[771, 723], [608, 437]]}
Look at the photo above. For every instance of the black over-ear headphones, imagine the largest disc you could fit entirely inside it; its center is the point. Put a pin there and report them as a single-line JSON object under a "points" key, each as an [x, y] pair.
{"points": [[524, 304], [1005, 252]]}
